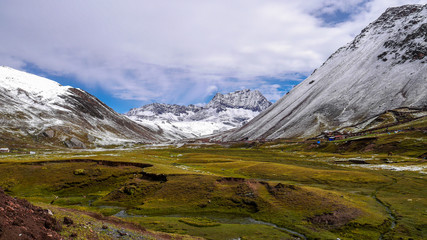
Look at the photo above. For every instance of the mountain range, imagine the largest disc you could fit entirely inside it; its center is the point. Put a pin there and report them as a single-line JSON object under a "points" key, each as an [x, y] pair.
{"points": [[381, 74], [222, 113]]}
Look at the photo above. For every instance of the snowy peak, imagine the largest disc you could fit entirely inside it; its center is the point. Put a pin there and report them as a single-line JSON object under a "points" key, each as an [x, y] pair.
{"points": [[400, 32], [39, 109], [405, 47], [411, 13], [246, 99], [35, 87], [383, 68], [156, 109], [223, 112]]}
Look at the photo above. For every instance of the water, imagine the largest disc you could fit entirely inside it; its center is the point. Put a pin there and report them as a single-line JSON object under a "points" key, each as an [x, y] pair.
{"points": [[390, 214], [223, 218], [281, 228]]}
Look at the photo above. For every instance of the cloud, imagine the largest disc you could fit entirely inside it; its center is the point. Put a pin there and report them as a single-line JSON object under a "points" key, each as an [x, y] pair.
{"points": [[180, 51], [272, 91]]}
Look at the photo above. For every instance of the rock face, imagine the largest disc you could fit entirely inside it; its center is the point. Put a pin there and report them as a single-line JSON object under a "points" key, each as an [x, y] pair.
{"points": [[223, 112], [383, 68], [245, 99], [37, 109]]}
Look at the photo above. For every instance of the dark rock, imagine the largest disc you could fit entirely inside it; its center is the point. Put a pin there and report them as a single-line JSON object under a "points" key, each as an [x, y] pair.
{"points": [[68, 221], [49, 133], [74, 143], [18, 222], [121, 233]]}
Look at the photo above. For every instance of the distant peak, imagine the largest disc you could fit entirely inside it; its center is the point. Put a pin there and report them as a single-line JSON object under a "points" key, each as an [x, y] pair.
{"points": [[246, 99]]}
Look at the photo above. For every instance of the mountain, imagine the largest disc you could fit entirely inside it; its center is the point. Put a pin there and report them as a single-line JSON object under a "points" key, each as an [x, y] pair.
{"points": [[245, 99], [36, 110], [223, 112], [383, 68]]}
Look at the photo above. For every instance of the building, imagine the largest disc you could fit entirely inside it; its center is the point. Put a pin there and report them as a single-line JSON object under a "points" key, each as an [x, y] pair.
{"points": [[4, 150]]}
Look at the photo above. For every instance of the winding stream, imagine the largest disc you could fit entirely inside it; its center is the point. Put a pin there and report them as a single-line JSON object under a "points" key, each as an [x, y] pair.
{"points": [[388, 210], [225, 219], [390, 214], [280, 228]]}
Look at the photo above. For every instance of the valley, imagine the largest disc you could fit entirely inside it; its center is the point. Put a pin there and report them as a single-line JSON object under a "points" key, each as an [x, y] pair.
{"points": [[247, 190], [342, 155]]}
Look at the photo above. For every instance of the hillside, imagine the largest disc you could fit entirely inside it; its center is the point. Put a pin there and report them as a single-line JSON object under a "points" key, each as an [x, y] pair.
{"points": [[36, 111], [382, 69]]}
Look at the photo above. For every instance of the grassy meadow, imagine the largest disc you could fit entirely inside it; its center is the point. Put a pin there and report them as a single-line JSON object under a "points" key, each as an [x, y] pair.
{"points": [[347, 189]]}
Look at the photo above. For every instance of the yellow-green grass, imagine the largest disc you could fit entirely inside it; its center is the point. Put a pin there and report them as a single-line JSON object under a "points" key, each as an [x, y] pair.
{"points": [[202, 182], [407, 200], [86, 226], [222, 231]]}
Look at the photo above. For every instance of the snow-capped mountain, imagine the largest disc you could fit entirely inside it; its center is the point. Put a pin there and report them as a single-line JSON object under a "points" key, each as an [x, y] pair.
{"points": [[40, 110], [223, 112], [245, 99], [383, 68]]}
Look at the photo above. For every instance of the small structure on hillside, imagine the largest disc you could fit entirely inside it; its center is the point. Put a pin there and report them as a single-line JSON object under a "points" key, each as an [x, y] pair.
{"points": [[4, 150], [332, 136], [339, 137]]}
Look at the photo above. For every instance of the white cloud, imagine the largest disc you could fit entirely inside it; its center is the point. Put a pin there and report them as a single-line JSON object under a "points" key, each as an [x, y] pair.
{"points": [[178, 51], [272, 91]]}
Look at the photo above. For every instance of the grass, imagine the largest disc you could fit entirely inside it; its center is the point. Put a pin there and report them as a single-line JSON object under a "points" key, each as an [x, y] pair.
{"points": [[213, 191], [199, 222], [220, 231], [92, 226]]}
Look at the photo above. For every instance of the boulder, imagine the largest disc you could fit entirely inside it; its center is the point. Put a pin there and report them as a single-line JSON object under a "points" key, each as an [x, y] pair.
{"points": [[74, 143]]}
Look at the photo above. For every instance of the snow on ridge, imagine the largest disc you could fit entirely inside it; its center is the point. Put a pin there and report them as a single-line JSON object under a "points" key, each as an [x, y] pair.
{"points": [[246, 99], [33, 105], [383, 68], [222, 113], [43, 88]]}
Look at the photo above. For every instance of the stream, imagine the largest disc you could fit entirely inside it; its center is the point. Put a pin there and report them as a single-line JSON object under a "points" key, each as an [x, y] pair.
{"points": [[390, 214], [225, 219], [280, 228], [387, 208]]}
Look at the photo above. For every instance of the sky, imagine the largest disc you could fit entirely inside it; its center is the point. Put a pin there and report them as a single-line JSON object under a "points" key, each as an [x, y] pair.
{"points": [[133, 52]]}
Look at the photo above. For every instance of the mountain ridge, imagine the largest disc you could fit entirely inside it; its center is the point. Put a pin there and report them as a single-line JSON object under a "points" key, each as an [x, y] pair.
{"points": [[356, 83], [223, 112], [40, 110]]}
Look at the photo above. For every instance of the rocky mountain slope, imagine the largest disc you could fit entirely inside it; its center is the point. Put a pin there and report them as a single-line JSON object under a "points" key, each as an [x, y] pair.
{"points": [[223, 112], [38, 110], [383, 68]]}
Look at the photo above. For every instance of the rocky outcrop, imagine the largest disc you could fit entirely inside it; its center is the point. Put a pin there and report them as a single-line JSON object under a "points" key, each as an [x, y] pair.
{"points": [[19, 219], [245, 99], [74, 143]]}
